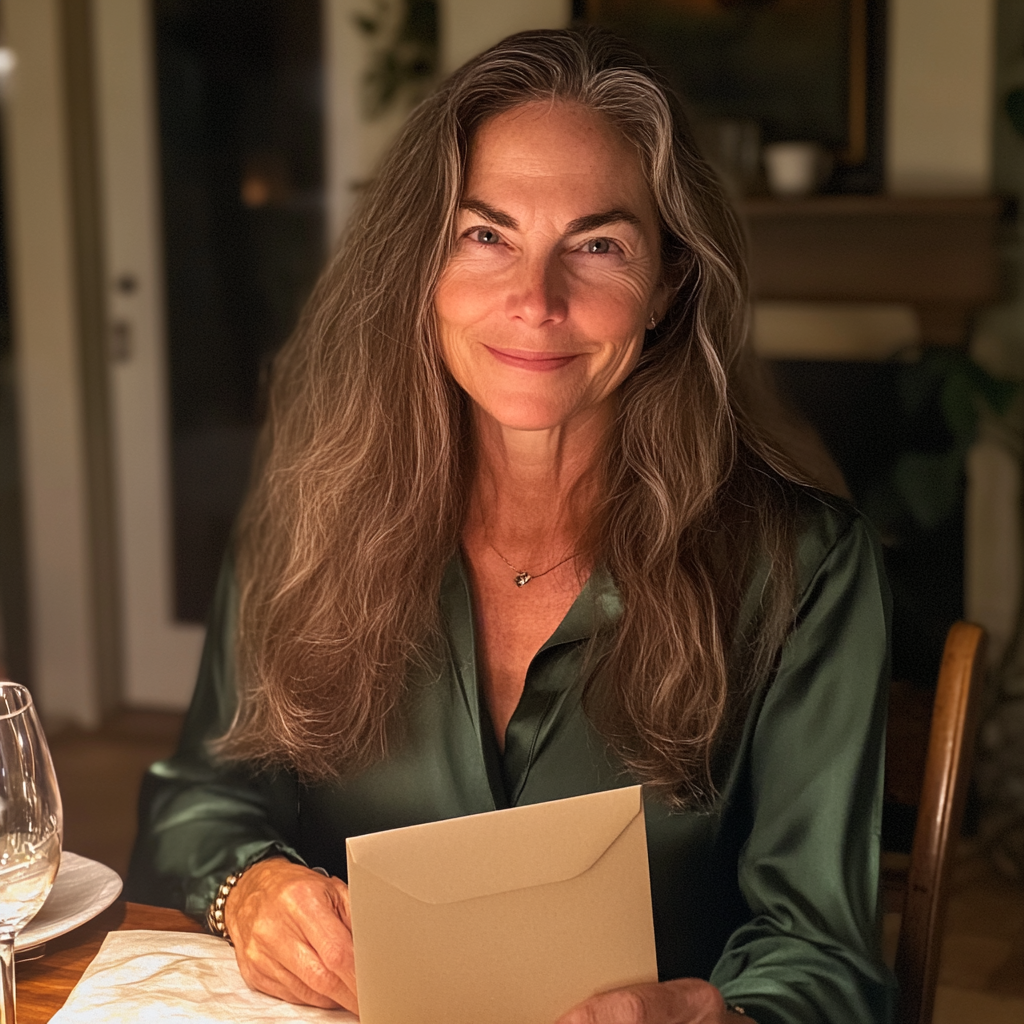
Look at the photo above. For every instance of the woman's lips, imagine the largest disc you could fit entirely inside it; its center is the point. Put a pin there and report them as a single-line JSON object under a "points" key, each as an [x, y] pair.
{"points": [[527, 360]]}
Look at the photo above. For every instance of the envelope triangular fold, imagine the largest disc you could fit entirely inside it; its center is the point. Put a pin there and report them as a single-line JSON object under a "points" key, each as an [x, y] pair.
{"points": [[538, 844]]}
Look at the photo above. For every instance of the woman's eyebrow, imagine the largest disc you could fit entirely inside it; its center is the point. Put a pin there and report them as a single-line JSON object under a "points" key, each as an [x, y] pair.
{"points": [[503, 220], [592, 221]]}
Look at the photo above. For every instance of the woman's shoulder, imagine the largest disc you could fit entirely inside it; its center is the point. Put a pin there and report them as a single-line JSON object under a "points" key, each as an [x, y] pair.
{"points": [[831, 530]]}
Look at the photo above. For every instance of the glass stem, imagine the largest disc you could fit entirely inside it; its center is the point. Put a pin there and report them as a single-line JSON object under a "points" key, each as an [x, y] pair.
{"points": [[7, 1014]]}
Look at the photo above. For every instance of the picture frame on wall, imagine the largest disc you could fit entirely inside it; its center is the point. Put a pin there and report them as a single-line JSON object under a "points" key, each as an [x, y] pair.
{"points": [[783, 70]]}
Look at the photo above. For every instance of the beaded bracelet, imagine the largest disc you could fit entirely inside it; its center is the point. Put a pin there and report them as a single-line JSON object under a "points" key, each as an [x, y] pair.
{"points": [[215, 915], [733, 1008]]}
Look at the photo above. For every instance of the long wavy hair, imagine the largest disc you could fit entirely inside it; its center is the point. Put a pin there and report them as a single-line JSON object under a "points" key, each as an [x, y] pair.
{"points": [[362, 474]]}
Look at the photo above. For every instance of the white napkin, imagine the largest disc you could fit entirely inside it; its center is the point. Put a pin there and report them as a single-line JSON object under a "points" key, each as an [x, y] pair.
{"points": [[149, 977]]}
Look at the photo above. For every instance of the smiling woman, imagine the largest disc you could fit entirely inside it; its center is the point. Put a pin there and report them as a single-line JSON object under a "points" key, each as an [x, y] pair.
{"points": [[532, 286], [522, 527]]}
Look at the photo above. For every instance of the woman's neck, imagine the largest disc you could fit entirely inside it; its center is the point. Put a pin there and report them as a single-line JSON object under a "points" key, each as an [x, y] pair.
{"points": [[534, 492]]}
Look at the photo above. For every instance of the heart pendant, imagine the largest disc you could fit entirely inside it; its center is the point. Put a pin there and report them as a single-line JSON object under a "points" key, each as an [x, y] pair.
{"points": [[522, 578]]}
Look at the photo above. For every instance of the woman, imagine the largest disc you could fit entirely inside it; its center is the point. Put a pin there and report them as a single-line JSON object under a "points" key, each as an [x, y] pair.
{"points": [[518, 532]]}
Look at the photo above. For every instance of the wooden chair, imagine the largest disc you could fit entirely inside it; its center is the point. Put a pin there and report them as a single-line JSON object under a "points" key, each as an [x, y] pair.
{"points": [[947, 771]]}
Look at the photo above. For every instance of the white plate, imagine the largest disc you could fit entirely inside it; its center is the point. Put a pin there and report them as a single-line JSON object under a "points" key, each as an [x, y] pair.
{"points": [[82, 889]]}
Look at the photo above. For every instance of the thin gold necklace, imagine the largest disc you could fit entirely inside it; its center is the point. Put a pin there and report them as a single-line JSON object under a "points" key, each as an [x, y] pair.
{"points": [[523, 577]]}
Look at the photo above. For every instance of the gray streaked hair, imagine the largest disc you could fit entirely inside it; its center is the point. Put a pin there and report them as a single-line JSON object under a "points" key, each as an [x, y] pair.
{"points": [[361, 480]]}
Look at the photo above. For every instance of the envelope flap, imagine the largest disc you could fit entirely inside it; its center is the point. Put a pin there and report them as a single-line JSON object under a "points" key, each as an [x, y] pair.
{"points": [[484, 854]]}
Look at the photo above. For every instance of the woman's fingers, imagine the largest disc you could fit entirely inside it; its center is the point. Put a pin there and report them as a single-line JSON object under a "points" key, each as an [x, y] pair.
{"points": [[329, 933], [327, 964], [300, 958], [683, 1001], [282, 984], [291, 934], [624, 1006], [318, 914]]}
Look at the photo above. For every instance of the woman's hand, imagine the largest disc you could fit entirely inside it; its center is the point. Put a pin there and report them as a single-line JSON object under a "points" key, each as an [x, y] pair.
{"points": [[684, 1001], [292, 933]]}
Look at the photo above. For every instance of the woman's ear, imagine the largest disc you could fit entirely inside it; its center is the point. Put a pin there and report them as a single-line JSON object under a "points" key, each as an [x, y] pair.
{"points": [[677, 263], [664, 296], [662, 299]]}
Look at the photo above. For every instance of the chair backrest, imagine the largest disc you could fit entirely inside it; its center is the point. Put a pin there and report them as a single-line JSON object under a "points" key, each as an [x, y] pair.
{"points": [[940, 814]]}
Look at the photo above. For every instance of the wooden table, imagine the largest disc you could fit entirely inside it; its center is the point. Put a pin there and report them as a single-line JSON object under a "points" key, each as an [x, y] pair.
{"points": [[43, 985]]}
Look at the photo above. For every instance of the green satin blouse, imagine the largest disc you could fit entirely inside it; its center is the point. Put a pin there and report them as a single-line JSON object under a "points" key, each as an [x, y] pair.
{"points": [[772, 894]]}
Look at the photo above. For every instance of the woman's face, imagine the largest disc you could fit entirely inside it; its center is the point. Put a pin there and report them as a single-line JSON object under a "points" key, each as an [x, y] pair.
{"points": [[556, 269]]}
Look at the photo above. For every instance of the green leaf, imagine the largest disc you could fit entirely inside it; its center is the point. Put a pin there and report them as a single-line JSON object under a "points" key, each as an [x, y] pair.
{"points": [[403, 65]]}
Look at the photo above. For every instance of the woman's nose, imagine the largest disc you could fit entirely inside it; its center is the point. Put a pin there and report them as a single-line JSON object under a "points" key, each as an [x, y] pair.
{"points": [[538, 295]]}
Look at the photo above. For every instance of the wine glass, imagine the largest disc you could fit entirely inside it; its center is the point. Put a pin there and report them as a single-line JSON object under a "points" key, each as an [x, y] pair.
{"points": [[31, 827]]}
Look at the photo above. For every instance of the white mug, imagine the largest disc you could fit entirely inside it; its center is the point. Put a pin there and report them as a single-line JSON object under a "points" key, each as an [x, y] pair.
{"points": [[795, 168]]}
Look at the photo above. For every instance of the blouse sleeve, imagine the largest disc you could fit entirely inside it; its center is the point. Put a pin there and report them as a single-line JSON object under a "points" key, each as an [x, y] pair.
{"points": [[809, 869], [198, 820]]}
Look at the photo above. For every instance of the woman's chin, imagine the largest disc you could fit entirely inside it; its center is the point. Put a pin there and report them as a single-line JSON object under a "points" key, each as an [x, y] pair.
{"points": [[531, 416]]}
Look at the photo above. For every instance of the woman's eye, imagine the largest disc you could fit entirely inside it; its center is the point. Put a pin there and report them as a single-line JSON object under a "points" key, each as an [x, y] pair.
{"points": [[485, 236], [599, 246]]}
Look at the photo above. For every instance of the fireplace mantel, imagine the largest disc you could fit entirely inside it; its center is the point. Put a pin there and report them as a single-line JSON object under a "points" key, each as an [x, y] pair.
{"points": [[940, 255]]}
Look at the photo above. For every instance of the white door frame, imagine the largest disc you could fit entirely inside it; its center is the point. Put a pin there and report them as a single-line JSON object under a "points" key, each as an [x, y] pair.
{"points": [[160, 655], [51, 418]]}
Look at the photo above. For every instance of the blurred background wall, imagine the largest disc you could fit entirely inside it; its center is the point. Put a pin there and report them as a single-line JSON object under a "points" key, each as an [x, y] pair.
{"points": [[175, 172]]}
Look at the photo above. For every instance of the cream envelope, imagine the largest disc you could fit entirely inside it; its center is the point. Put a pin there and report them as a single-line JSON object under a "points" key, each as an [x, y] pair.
{"points": [[510, 917]]}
